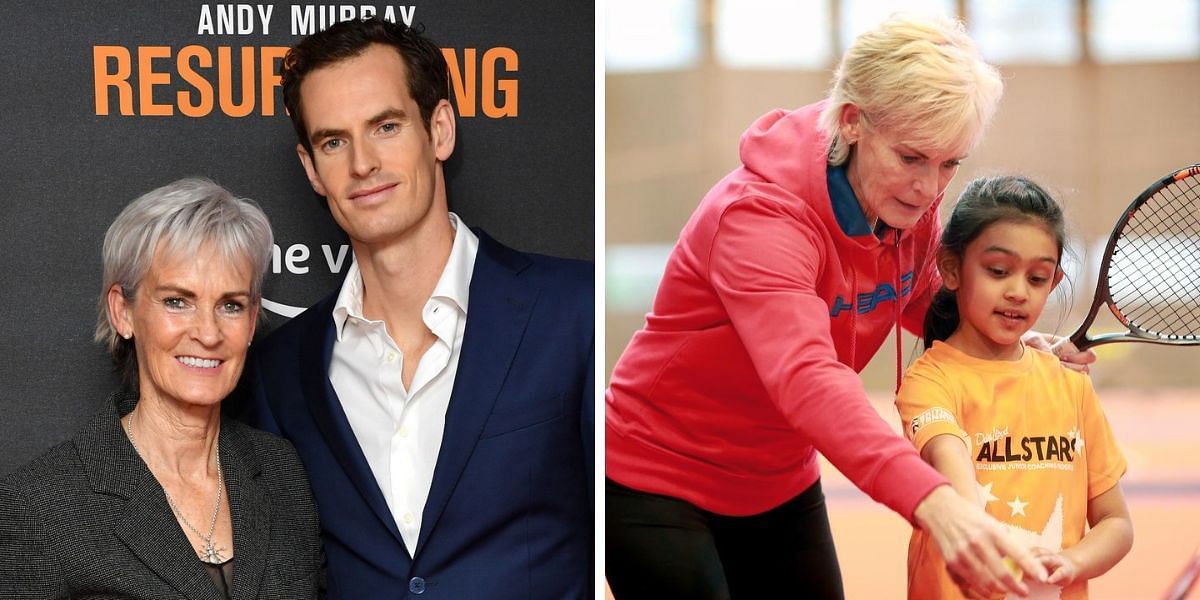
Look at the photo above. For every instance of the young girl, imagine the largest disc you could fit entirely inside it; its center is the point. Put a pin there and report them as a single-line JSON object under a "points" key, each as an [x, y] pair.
{"points": [[1009, 427]]}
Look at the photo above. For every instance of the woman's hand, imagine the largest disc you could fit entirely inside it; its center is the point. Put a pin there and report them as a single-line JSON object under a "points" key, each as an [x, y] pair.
{"points": [[1071, 357], [974, 545]]}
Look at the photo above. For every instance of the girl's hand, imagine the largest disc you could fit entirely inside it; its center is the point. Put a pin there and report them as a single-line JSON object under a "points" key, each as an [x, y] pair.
{"points": [[1063, 570]]}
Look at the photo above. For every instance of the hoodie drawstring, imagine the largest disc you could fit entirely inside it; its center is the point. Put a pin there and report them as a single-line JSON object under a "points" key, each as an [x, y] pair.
{"points": [[896, 278], [853, 319]]}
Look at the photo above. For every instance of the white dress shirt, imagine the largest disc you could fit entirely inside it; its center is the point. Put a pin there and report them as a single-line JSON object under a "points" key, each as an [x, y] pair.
{"points": [[399, 430]]}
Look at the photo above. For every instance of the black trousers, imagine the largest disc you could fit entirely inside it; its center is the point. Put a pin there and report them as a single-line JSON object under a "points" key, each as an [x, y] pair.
{"points": [[657, 547]]}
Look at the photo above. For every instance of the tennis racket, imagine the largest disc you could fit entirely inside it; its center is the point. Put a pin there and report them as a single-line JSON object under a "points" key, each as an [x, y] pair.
{"points": [[1150, 274]]}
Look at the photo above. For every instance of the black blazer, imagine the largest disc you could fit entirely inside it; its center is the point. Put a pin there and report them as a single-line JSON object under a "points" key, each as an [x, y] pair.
{"points": [[88, 520]]}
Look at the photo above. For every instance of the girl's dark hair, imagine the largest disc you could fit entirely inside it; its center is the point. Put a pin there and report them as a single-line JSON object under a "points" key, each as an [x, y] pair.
{"points": [[988, 200]]}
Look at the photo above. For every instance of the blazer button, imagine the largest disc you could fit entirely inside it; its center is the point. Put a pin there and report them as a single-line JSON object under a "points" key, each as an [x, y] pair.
{"points": [[416, 585]]}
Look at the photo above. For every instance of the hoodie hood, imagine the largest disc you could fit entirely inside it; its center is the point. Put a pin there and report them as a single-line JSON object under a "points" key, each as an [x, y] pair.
{"points": [[788, 149]]}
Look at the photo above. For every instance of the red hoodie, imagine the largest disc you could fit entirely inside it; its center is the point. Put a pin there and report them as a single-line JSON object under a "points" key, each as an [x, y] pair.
{"points": [[767, 310]]}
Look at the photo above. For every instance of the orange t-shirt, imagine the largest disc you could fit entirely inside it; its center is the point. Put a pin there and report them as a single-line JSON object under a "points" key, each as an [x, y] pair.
{"points": [[1039, 441]]}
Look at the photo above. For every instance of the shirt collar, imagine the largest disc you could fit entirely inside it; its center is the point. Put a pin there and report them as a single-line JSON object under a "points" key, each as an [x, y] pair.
{"points": [[846, 208], [453, 285]]}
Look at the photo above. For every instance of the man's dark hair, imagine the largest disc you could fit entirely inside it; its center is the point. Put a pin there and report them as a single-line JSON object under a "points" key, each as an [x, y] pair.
{"points": [[428, 78]]}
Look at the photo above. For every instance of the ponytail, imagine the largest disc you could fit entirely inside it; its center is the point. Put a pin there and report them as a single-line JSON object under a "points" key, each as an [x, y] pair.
{"points": [[942, 317]]}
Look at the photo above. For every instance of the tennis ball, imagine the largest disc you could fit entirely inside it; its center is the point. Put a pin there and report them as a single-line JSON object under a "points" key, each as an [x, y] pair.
{"points": [[1012, 567]]}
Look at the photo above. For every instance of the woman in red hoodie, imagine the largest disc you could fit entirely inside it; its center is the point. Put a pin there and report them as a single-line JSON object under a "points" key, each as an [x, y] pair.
{"points": [[783, 284]]}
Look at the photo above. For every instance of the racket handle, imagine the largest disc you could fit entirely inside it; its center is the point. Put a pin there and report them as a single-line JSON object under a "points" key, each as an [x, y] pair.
{"points": [[1080, 344], [1184, 582]]}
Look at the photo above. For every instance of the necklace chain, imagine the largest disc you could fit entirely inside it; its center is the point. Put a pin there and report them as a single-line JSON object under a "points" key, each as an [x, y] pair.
{"points": [[212, 553]]}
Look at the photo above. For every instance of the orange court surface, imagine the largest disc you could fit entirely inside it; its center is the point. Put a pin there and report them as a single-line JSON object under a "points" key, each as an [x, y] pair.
{"points": [[1158, 432]]}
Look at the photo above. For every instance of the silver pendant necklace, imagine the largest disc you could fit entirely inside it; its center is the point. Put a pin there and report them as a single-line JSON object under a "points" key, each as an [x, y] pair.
{"points": [[211, 553]]}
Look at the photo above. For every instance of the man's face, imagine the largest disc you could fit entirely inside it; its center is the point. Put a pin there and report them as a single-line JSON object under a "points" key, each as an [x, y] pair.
{"points": [[372, 157]]}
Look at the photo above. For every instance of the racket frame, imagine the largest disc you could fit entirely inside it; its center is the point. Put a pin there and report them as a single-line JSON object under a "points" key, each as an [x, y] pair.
{"points": [[1102, 296]]}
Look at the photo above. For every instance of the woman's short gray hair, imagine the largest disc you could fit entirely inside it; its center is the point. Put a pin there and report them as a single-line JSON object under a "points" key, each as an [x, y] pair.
{"points": [[923, 78], [176, 220]]}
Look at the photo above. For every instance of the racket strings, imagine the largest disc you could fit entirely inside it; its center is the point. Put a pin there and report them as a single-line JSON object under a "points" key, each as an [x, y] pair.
{"points": [[1154, 272]]}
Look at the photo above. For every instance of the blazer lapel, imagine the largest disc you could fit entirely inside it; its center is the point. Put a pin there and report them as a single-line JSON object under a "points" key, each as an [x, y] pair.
{"points": [[499, 307], [249, 508], [147, 526], [331, 419], [149, 529]]}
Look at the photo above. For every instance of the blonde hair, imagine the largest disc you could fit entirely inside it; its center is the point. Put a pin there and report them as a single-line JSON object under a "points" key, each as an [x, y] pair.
{"points": [[921, 78]]}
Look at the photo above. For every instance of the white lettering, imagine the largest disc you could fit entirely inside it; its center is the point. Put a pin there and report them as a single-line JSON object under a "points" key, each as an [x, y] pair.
{"points": [[225, 18], [206, 24], [294, 258], [264, 14], [407, 13], [335, 265], [303, 21], [987, 438], [297, 253], [245, 19], [234, 19], [309, 19]]}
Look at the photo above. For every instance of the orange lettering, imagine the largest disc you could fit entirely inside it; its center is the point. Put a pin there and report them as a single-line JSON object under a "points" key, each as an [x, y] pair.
{"points": [[464, 87], [195, 87], [225, 67], [147, 79], [203, 87], [270, 76], [118, 80], [507, 86]]}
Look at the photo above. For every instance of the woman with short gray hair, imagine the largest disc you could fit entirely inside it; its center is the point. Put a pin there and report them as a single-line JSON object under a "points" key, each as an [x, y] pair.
{"points": [[158, 496]]}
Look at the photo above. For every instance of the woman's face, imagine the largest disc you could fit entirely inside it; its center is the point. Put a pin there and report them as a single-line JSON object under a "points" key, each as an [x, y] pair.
{"points": [[191, 321], [894, 181]]}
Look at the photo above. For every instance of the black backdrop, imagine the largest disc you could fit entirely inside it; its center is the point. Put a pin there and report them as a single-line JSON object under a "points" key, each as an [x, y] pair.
{"points": [[70, 160]]}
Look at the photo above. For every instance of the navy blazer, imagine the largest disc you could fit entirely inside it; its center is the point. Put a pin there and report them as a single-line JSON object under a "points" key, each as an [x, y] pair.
{"points": [[509, 513]]}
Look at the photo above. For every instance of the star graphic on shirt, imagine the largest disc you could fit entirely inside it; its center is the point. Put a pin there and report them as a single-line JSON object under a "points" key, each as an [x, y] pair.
{"points": [[1050, 537], [1076, 435], [1018, 507], [985, 493]]}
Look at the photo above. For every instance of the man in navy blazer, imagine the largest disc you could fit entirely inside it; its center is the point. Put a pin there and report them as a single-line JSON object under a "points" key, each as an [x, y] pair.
{"points": [[442, 399]]}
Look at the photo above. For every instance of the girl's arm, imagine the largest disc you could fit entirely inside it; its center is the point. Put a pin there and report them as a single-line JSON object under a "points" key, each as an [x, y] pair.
{"points": [[948, 454], [1108, 541]]}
